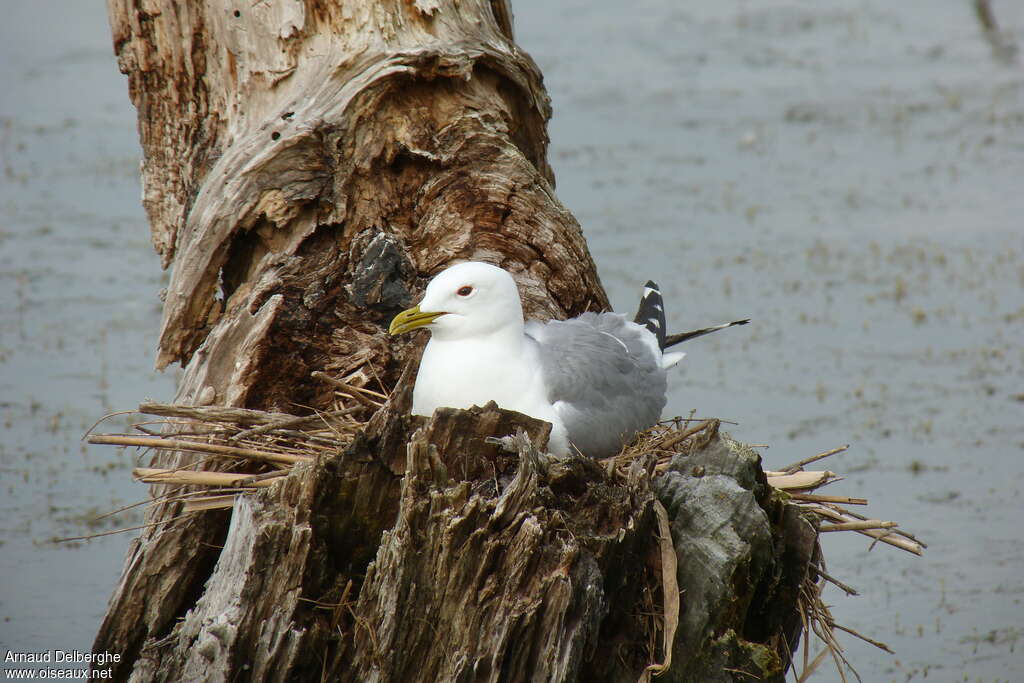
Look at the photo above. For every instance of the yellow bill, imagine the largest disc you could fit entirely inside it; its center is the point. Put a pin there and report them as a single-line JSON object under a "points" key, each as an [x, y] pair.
{"points": [[411, 319]]}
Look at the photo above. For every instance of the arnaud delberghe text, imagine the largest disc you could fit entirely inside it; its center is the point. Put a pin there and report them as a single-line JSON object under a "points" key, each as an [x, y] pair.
{"points": [[62, 657]]}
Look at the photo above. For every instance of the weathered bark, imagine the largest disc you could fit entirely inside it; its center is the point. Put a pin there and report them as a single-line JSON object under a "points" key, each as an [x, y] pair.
{"points": [[307, 165]]}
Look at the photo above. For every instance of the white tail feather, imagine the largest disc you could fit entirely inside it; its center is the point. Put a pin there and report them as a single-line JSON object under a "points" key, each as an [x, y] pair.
{"points": [[670, 359]]}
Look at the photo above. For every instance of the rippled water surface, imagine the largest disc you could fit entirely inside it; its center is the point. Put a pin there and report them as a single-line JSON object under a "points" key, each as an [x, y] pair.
{"points": [[848, 174], [78, 317]]}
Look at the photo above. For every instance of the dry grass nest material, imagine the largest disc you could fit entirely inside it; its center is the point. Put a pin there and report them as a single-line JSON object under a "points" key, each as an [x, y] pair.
{"points": [[236, 451]]}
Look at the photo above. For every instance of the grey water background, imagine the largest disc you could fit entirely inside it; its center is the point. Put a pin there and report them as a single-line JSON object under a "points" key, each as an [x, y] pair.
{"points": [[848, 174]]}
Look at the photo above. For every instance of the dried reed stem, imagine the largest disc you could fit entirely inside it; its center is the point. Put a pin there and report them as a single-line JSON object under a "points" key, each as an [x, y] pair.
{"points": [[811, 667], [857, 526], [151, 475], [119, 531], [892, 537], [212, 413], [814, 498], [218, 502], [836, 582], [358, 393], [679, 437], [290, 422], [857, 515], [871, 641], [797, 466], [801, 480], [179, 445]]}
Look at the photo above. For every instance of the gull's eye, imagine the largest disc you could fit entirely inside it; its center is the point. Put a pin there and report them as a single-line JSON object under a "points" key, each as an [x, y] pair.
{"points": [[465, 290]]}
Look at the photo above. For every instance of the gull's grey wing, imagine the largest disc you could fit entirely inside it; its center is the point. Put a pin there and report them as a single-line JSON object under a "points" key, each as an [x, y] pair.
{"points": [[604, 377]]}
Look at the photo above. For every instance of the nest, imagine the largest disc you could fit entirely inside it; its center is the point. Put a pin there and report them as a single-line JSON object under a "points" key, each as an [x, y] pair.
{"points": [[227, 452], [796, 485], [236, 450]]}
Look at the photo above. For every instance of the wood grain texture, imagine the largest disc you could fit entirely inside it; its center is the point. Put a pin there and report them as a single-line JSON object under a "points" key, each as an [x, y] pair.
{"points": [[515, 565], [282, 139], [308, 165]]}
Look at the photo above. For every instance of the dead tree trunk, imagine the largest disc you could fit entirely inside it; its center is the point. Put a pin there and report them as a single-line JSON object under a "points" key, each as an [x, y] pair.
{"points": [[307, 165]]}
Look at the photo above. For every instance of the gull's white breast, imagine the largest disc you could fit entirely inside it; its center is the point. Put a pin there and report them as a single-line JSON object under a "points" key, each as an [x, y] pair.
{"points": [[467, 372]]}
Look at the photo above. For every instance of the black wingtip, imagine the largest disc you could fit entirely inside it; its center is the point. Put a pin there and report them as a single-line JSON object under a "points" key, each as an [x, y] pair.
{"points": [[674, 339], [651, 312]]}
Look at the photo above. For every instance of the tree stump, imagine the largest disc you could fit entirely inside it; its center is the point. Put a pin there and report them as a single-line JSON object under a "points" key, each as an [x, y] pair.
{"points": [[307, 167]]}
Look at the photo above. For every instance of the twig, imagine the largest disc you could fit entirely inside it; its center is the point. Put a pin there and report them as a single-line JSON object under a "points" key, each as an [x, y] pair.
{"points": [[169, 497], [326, 442], [678, 418], [201, 503], [880, 645], [801, 480], [678, 437], [211, 413], [815, 498], [294, 421], [886, 536], [387, 394], [823, 624], [178, 445], [857, 515], [811, 667], [255, 479], [183, 427], [357, 393], [123, 508], [142, 427], [104, 419], [797, 466], [857, 526], [151, 475], [119, 531], [836, 582]]}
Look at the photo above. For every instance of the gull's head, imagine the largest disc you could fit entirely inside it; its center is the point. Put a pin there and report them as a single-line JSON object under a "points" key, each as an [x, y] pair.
{"points": [[465, 300]]}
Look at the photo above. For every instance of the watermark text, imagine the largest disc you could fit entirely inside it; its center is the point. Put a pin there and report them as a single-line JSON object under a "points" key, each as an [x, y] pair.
{"points": [[58, 664]]}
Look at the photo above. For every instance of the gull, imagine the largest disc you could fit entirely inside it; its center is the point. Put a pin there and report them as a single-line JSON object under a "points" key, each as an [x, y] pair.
{"points": [[597, 378]]}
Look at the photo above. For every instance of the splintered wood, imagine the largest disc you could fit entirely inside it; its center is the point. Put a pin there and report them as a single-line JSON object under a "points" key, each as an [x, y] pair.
{"points": [[261, 441], [238, 452], [668, 438]]}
